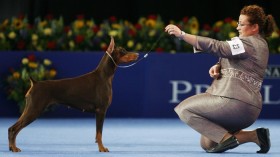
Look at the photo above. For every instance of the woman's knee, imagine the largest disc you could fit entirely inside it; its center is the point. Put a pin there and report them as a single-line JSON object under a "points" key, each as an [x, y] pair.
{"points": [[177, 110], [182, 107], [184, 114]]}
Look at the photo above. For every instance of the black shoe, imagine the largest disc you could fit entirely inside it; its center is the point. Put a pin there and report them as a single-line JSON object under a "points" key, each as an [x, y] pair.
{"points": [[224, 146], [263, 136]]}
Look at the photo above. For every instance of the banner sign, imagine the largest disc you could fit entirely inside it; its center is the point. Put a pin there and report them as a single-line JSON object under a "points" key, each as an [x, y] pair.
{"points": [[149, 89]]}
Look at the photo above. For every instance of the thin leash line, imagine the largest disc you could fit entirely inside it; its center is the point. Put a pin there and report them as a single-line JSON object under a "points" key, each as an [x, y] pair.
{"points": [[145, 56]]}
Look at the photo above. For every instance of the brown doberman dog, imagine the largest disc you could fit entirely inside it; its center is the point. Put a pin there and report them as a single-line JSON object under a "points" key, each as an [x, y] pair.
{"points": [[91, 92]]}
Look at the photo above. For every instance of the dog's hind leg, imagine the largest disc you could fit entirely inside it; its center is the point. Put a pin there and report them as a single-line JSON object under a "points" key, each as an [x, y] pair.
{"points": [[29, 114], [100, 116]]}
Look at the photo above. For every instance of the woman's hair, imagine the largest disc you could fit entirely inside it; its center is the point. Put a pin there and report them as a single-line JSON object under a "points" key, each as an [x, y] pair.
{"points": [[257, 15]]}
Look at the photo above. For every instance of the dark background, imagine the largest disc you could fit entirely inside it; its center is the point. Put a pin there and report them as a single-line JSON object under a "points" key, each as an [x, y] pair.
{"points": [[207, 11]]}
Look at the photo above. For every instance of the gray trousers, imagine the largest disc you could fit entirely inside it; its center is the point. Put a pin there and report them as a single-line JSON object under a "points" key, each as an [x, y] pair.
{"points": [[214, 116]]}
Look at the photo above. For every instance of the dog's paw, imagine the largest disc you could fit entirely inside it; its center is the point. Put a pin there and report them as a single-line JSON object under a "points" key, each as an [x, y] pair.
{"points": [[103, 149], [14, 149]]}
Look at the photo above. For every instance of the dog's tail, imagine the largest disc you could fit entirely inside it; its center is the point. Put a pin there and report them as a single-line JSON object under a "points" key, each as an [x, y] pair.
{"points": [[32, 82]]}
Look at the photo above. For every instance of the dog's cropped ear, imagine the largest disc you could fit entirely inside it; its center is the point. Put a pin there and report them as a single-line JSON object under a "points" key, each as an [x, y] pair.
{"points": [[110, 48]]}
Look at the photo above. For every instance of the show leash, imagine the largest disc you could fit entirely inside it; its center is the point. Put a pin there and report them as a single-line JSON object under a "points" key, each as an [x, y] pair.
{"points": [[145, 56]]}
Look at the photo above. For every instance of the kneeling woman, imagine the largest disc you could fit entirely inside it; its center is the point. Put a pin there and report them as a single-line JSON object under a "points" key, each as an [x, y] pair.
{"points": [[233, 101]]}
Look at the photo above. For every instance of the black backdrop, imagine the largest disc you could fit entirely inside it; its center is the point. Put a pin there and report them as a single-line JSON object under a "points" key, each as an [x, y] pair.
{"points": [[207, 11]]}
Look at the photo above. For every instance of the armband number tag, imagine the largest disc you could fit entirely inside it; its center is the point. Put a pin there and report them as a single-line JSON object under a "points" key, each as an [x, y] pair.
{"points": [[236, 46]]}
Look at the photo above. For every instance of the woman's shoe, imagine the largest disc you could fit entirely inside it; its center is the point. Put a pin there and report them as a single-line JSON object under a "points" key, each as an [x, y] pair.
{"points": [[230, 143], [264, 139]]}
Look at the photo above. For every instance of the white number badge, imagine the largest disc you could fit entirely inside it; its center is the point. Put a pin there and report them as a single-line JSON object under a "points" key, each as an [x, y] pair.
{"points": [[236, 46]]}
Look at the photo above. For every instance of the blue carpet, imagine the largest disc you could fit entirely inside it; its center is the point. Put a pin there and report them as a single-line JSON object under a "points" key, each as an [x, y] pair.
{"points": [[123, 137]]}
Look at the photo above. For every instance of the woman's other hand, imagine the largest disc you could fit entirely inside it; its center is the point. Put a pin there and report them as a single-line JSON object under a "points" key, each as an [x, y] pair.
{"points": [[214, 71]]}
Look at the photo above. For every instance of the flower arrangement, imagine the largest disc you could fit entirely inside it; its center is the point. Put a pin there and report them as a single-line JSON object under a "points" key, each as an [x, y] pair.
{"points": [[274, 40], [224, 30], [50, 34], [17, 82]]}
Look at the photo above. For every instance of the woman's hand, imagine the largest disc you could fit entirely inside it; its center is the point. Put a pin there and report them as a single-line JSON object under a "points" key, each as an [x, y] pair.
{"points": [[172, 29], [177, 32], [214, 71]]}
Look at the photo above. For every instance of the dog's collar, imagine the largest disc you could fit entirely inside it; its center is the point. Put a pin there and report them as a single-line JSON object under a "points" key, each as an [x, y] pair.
{"points": [[119, 65]]}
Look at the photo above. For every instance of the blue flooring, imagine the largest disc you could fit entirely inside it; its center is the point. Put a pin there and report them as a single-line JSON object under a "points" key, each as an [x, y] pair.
{"points": [[123, 137]]}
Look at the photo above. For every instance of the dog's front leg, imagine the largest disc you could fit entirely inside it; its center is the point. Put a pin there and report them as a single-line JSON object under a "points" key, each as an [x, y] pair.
{"points": [[100, 116]]}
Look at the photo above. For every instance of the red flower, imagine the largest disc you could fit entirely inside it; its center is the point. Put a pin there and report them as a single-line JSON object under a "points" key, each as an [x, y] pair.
{"points": [[51, 45], [21, 45], [138, 26], [49, 17], [104, 47], [131, 32], [30, 26], [206, 27], [216, 29], [21, 16], [66, 29], [153, 17], [80, 17], [228, 20], [113, 19], [95, 29], [185, 19], [159, 49], [79, 39], [31, 58]]}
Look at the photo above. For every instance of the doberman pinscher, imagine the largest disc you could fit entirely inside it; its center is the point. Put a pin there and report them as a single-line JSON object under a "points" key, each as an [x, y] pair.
{"points": [[91, 92]]}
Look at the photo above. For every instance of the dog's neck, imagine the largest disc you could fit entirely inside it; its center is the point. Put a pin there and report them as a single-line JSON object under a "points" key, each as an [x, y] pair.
{"points": [[106, 66]]}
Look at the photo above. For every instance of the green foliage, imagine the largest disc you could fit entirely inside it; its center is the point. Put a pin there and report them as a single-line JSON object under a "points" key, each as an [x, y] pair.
{"points": [[17, 82]]}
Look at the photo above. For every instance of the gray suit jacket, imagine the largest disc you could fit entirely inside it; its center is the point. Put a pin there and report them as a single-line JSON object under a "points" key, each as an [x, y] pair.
{"points": [[243, 63]]}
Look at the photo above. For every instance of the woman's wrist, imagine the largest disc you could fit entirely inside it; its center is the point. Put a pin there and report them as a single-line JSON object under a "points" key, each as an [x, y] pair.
{"points": [[181, 37]]}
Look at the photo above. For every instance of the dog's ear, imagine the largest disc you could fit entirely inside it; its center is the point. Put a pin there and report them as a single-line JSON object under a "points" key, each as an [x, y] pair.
{"points": [[110, 48]]}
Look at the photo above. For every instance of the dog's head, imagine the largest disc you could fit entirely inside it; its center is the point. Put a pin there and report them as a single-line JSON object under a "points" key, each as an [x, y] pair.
{"points": [[119, 54]]}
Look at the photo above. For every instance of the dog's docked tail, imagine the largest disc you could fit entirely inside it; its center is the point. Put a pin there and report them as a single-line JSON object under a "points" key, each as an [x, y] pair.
{"points": [[32, 82]]}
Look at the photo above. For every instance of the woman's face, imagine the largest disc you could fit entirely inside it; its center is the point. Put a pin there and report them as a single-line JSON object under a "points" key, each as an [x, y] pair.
{"points": [[245, 28]]}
